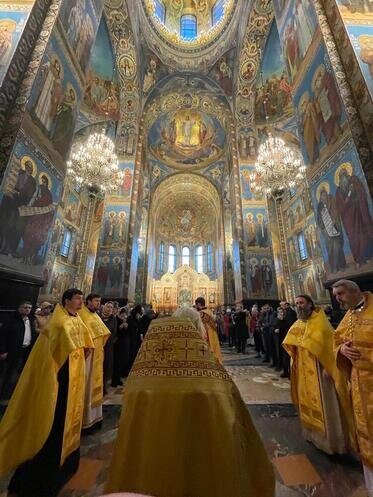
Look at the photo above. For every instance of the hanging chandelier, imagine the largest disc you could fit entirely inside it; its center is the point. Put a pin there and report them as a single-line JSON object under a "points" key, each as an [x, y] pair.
{"points": [[94, 164], [277, 168]]}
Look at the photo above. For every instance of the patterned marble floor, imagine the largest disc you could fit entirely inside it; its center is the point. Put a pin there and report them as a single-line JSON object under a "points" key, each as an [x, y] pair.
{"points": [[301, 469]]}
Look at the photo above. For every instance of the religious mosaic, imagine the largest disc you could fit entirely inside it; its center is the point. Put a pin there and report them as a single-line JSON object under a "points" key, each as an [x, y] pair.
{"points": [[13, 18], [187, 138], [344, 216], [30, 193]]}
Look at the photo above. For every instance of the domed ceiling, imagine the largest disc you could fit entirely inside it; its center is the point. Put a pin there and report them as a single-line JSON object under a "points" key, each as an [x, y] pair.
{"points": [[186, 33], [170, 19]]}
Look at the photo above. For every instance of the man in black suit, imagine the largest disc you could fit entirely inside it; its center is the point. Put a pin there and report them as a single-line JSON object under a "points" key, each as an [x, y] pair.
{"points": [[17, 336]]}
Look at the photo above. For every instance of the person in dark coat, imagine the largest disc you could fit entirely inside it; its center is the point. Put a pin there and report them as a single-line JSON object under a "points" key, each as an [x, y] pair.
{"points": [[266, 322], [17, 336], [280, 329], [242, 332], [290, 314], [111, 323], [134, 332], [121, 350], [145, 321]]}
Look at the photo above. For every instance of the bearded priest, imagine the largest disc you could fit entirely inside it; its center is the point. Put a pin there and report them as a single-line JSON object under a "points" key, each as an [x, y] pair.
{"points": [[184, 429], [94, 392], [40, 431], [314, 377]]}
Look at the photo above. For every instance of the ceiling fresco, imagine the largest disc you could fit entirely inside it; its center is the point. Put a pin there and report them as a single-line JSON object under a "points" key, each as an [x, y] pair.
{"points": [[185, 218], [200, 53], [187, 138], [186, 209]]}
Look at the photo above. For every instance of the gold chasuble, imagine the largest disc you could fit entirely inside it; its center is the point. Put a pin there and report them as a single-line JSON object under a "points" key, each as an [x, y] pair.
{"points": [[28, 419], [310, 346], [357, 326], [94, 367], [184, 430], [209, 323]]}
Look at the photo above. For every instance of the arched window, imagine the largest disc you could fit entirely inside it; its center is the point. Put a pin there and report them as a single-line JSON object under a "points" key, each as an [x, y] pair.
{"points": [[218, 11], [66, 243], [188, 27], [161, 257], [199, 259], [185, 259], [303, 255], [160, 10], [172, 258], [209, 258]]}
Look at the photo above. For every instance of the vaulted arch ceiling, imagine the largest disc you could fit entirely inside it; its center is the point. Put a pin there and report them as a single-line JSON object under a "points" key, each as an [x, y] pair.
{"points": [[185, 209]]}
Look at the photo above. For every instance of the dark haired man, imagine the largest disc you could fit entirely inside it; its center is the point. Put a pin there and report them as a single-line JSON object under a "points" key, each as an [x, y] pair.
{"points": [[40, 431], [309, 342], [17, 336], [94, 362], [209, 323]]}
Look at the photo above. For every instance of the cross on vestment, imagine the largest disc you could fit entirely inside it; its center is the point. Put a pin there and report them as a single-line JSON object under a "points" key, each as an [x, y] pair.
{"points": [[162, 350], [187, 349]]}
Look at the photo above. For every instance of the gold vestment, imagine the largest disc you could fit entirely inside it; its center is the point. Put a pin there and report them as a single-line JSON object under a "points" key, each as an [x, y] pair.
{"points": [[99, 334], [209, 323], [310, 344], [184, 430], [357, 326], [29, 417]]}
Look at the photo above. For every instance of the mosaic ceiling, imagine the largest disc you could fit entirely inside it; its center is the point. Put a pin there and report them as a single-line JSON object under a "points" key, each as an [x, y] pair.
{"points": [[186, 208], [164, 34], [187, 139]]}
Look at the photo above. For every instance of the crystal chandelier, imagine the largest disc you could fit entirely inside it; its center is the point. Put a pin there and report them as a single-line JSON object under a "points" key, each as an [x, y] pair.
{"points": [[94, 164], [277, 167]]}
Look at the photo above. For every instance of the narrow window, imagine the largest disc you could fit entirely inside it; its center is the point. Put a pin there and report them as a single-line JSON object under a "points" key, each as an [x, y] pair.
{"points": [[160, 10], [185, 259], [218, 11], [172, 258], [66, 242], [302, 247], [188, 27], [209, 258], [161, 257], [199, 259]]}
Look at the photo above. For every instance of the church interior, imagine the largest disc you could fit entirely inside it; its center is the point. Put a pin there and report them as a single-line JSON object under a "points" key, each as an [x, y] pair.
{"points": [[157, 151]]}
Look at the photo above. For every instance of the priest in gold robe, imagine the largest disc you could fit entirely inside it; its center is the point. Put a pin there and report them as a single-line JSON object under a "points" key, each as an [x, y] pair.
{"points": [[40, 431], [309, 342], [94, 392], [184, 429], [209, 323], [353, 342]]}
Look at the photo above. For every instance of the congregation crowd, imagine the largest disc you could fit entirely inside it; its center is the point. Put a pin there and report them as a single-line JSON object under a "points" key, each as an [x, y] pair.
{"points": [[263, 329], [73, 353]]}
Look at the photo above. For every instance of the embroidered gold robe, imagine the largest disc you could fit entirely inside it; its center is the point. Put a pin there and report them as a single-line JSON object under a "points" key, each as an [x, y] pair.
{"points": [[310, 346], [209, 323], [184, 429], [29, 417], [357, 325], [94, 367]]}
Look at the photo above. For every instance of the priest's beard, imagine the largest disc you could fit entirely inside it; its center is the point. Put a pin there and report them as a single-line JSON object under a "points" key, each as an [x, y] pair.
{"points": [[304, 314]]}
